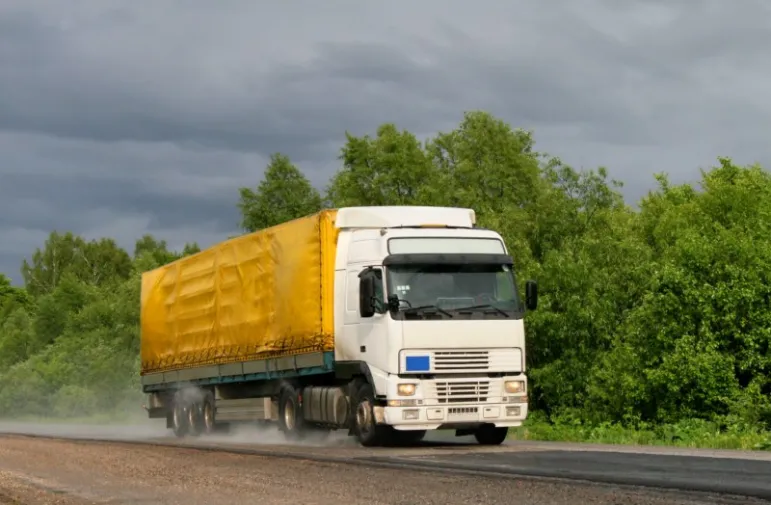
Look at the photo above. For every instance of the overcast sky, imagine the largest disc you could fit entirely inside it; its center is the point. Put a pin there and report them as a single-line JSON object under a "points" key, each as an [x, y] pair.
{"points": [[120, 118]]}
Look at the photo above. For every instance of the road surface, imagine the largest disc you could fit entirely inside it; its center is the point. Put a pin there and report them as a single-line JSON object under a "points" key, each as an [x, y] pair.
{"points": [[124, 467]]}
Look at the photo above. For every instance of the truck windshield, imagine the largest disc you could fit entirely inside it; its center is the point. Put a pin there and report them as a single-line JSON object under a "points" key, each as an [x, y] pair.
{"points": [[447, 291]]}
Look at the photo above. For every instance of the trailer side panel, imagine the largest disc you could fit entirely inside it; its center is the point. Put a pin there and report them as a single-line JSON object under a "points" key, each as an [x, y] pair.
{"points": [[262, 295]]}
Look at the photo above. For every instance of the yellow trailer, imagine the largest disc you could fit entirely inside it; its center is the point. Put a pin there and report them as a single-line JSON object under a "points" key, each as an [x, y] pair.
{"points": [[261, 295]]}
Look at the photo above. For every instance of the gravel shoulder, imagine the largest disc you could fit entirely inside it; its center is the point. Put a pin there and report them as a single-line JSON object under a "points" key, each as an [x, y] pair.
{"points": [[41, 471]]}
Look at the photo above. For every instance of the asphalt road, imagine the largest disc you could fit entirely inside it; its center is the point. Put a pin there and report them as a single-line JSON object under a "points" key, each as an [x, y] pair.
{"points": [[717, 472], [690, 473], [43, 471]]}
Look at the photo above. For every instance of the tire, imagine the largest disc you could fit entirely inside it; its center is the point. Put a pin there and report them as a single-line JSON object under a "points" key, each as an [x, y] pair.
{"points": [[208, 415], [367, 432], [179, 416], [194, 418], [490, 435], [290, 419]]}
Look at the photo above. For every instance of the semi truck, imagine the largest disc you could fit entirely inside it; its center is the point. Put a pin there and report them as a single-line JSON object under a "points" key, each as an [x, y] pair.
{"points": [[383, 321]]}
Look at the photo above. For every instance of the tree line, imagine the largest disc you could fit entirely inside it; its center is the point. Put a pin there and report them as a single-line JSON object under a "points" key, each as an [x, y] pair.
{"points": [[648, 316]]}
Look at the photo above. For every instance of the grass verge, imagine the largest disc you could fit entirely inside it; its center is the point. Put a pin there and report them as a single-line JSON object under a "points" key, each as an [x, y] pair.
{"points": [[692, 433]]}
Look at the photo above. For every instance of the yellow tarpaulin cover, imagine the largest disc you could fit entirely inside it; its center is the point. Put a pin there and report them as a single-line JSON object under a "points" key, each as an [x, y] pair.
{"points": [[268, 293]]}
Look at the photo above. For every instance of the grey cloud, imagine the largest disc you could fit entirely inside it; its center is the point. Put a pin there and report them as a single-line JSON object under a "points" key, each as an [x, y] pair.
{"points": [[53, 200], [570, 72], [120, 120], [295, 106], [116, 190]]}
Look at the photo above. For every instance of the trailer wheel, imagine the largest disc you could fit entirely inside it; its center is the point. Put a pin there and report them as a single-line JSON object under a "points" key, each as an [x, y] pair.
{"points": [[290, 419], [208, 421], [194, 418], [367, 431], [490, 435], [179, 423]]}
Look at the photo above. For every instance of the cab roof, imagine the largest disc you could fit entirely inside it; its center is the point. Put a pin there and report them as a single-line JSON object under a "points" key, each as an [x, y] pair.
{"points": [[407, 216]]}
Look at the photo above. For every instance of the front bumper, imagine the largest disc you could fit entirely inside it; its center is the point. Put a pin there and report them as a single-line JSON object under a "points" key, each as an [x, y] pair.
{"points": [[434, 417]]}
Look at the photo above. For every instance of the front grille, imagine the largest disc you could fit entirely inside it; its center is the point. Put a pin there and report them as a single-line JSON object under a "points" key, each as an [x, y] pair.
{"points": [[455, 411], [462, 413], [461, 360], [462, 392]]}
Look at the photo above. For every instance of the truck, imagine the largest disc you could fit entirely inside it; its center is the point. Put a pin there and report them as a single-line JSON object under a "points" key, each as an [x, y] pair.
{"points": [[385, 321]]}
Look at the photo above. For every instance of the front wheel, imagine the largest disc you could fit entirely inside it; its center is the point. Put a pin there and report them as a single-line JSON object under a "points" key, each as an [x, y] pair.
{"points": [[367, 431], [490, 435]]}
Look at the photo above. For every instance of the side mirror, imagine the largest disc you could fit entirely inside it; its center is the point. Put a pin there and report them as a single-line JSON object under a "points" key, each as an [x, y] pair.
{"points": [[367, 296], [393, 303], [531, 295]]}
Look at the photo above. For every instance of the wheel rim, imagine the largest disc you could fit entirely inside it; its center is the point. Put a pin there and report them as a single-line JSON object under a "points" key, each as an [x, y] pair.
{"points": [[289, 415], [208, 416], [364, 416], [191, 416], [177, 417]]}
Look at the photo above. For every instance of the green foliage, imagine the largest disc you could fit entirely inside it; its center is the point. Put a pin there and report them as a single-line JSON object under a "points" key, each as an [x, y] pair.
{"points": [[158, 251], [284, 194], [96, 262], [12, 298], [72, 350], [691, 433], [391, 169], [654, 324]]}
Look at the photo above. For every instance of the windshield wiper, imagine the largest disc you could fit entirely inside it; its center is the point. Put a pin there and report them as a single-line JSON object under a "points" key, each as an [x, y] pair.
{"points": [[411, 310], [484, 306]]}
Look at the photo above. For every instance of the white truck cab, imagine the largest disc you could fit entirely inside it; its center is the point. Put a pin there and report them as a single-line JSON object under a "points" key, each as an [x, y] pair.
{"points": [[429, 304]]}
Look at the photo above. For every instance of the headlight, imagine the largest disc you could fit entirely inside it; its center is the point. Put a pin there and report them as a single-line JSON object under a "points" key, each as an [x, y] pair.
{"points": [[405, 389], [514, 387]]}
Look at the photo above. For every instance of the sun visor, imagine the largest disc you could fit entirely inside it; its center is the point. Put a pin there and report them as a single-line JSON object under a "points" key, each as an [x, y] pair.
{"points": [[448, 259]]}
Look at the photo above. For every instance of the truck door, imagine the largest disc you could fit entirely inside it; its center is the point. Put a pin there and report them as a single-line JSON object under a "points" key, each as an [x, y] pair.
{"points": [[370, 333]]}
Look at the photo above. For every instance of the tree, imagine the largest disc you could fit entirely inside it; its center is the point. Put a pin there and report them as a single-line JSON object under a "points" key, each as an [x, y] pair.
{"points": [[16, 338], [486, 165], [391, 169], [283, 194], [59, 254], [702, 331], [11, 298], [97, 262], [190, 249], [104, 262], [158, 251]]}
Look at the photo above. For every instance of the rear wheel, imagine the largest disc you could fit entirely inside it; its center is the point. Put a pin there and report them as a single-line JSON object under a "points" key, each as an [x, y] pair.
{"points": [[290, 419], [490, 435], [194, 418], [208, 422], [179, 418]]}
